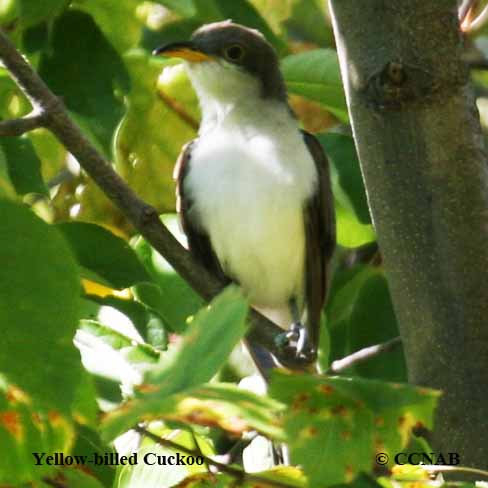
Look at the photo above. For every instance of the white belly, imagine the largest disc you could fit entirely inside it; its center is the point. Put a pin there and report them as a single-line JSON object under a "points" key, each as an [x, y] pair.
{"points": [[249, 197]]}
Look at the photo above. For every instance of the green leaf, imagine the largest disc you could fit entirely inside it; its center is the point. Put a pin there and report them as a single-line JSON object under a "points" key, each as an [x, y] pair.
{"points": [[373, 321], [146, 321], [346, 173], [309, 22], [347, 420], [24, 431], [316, 75], [352, 213], [243, 12], [83, 67], [350, 232], [145, 474], [33, 11], [89, 441], [6, 187], [39, 307], [132, 351], [24, 166], [104, 257], [186, 8], [172, 298], [211, 337], [152, 133], [117, 19], [216, 405], [360, 314]]}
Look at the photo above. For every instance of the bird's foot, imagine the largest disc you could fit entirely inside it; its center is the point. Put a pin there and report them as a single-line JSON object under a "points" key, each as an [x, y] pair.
{"points": [[296, 338]]}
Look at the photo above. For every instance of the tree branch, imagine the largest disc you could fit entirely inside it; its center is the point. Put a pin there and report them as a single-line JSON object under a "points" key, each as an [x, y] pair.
{"points": [[142, 216], [363, 355], [17, 127], [233, 471]]}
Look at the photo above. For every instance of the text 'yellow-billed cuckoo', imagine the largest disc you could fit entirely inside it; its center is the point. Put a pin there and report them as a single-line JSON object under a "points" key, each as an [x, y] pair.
{"points": [[254, 191]]}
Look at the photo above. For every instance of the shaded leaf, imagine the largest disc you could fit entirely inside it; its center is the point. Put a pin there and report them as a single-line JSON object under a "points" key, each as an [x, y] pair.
{"points": [[103, 256], [7, 189], [117, 19], [32, 12], [308, 22], [84, 68], [24, 166], [315, 75], [173, 298], [39, 307], [243, 12]]}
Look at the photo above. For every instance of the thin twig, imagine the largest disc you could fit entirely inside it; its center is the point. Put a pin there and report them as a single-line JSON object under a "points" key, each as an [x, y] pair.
{"points": [[142, 216], [479, 64], [17, 127], [177, 109], [233, 471], [433, 469], [362, 355]]}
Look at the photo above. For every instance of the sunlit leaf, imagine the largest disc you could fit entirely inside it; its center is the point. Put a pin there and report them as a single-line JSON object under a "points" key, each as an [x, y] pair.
{"points": [[215, 405], [217, 328], [152, 133], [348, 420], [186, 8], [316, 75]]}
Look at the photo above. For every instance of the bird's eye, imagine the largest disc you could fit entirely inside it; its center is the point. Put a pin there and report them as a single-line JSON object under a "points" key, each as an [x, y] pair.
{"points": [[234, 53]]}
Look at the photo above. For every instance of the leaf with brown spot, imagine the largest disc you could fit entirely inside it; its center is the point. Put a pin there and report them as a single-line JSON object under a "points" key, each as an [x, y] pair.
{"points": [[352, 418]]}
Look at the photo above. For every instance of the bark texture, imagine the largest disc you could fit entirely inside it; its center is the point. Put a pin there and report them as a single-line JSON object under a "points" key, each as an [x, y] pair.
{"points": [[419, 141]]}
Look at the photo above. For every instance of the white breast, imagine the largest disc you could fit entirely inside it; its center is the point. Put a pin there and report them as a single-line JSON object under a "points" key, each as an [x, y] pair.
{"points": [[249, 185]]}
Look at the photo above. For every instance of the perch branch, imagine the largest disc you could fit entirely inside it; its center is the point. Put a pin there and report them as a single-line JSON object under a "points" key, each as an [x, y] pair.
{"points": [[362, 355], [50, 109]]}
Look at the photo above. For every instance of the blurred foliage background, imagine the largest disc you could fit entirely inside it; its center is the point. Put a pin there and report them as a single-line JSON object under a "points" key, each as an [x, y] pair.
{"points": [[72, 264]]}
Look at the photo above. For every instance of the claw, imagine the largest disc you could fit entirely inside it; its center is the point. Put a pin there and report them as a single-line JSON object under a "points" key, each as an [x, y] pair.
{"points": [[296, 338]]}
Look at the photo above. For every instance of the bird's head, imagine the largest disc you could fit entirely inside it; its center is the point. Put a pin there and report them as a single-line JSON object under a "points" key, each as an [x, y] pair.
{"points": [[227, 61]]}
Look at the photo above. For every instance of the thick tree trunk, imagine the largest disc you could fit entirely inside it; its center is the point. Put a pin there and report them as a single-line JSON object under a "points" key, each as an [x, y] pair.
{"points": [[419, 140]]}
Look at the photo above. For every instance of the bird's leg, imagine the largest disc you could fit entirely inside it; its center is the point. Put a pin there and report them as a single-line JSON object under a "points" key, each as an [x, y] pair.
{"points": [[297, 335]]}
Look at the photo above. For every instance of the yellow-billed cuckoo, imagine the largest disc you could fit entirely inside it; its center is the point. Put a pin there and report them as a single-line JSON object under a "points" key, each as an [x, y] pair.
{"points": [[253, 190]]}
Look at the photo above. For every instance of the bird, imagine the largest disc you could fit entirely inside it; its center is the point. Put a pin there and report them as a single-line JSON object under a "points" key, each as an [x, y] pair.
{"points": [[253, 190]]}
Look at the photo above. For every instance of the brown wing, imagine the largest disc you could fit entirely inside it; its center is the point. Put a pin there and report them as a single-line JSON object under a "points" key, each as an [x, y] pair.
{"points": [[320, 240], [198, 241]]}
